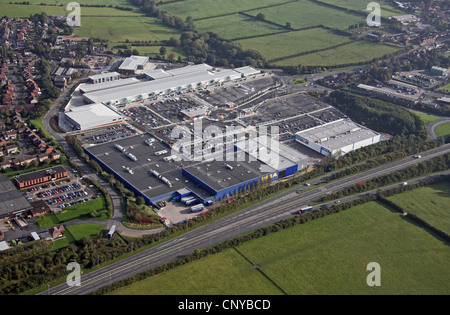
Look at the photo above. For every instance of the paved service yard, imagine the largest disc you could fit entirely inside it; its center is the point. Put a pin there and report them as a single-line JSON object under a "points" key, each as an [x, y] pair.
{"points": [[176, 212]]}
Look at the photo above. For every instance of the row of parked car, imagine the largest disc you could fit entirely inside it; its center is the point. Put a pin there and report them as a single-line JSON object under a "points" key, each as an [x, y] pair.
{"points": [[60, 190]]}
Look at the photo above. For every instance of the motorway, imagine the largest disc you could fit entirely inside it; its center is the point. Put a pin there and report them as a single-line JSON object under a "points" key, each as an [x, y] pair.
{"points": [[262, 214]]}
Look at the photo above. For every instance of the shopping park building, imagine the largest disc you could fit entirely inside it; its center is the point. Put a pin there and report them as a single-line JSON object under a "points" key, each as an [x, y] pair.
{"points": [[148, 167]]}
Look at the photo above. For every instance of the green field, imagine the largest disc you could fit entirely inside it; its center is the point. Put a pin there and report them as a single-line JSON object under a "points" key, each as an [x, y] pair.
{"points": [[291, 43], [325, 256], [358, 5], [198, 9], [445, 88], [352, 53], [139, 28], [430, 203], [236, 26], [79, 211], [12, 10], [303, 14], [426, 118], [120, 3], [443, 130], [82, 230]]}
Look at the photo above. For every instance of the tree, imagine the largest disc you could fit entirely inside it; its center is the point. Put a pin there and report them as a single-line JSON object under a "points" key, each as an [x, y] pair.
{"points": [[289, 25], [140, 200], [261, 16]]}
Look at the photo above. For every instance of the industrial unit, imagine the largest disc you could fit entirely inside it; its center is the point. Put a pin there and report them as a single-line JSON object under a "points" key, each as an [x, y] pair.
{"points": [[164, 82], [12, 201], [337, 138], [104, 77], [91, 116], [133, 63], [40, 177], [149, 170]]}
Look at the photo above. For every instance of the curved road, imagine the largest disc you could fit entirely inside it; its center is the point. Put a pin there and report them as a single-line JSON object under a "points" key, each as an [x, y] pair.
{"points": [[271, 210], [115, 197]]}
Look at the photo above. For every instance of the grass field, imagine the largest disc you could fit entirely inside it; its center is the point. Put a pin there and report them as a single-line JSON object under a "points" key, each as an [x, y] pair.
{"points": [[358, 5], [140, 28], [325, 256], [304, 14], [78, 211], [430, 203], [236, 26], [426, 118], [291, 43], [443, 130], [198, 9], [120, 3], [445, 88], [352, 53], [13, 10], [82, 230]]}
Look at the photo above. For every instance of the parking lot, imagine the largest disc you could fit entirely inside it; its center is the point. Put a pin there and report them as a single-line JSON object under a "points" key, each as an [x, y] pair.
{"points": [[107, 134], [63, 194], [229, 95]]}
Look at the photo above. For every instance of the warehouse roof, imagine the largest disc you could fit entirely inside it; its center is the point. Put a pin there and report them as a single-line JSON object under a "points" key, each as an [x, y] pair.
{"points": [[39, 174], [94, 114], [132, 62], [337, 134], [89, 88], [11, 199], [221, 175], [275, 154], [104, 75], [157, 74], [247, 71], [189, 80], [146, 161], [203, 67]]}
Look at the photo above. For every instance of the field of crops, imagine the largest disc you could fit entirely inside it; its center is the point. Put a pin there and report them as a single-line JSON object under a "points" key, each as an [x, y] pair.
{"points": [[325, 256]]}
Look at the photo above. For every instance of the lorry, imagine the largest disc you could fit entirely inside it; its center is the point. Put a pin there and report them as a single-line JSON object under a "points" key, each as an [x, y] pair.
{"points": [[305, 209], [197, 208], [191, 202]]}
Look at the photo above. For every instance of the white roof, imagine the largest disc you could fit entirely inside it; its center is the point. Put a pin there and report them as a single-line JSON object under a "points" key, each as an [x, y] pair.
{"points": [[104, 75], [157, 74], [337, 134], [247, 71], [3, 246], [195, 111], [190, 69], [272, 152], [35, 236], [92, 115], [132, 62], [89, 88], [186, 81]]}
